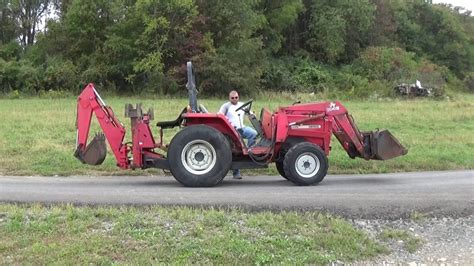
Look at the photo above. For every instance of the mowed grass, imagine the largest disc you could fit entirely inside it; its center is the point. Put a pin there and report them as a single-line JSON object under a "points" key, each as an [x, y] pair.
{"points": [[37, 136], [66, 235]]}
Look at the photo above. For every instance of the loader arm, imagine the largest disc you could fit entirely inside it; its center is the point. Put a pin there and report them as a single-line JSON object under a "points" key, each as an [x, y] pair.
{"points": [[309, 121], [370, 145], [90, 102]]}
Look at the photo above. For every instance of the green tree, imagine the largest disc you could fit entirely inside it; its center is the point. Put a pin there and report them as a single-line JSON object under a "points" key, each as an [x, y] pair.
{"points": [[450, 45], [384, 28], [8, 25], [327, 34], [280, 16], [165, 27], [28, 14], [236, 57], [434, 31], [249, 45], [339, 29]]}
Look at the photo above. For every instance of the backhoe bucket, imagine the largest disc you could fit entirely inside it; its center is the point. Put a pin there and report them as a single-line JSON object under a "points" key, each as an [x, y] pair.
{"points": [[95, 152], [382, 145]]}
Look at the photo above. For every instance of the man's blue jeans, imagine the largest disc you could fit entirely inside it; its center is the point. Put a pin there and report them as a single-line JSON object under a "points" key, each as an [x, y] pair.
{"points": [[250, 135]]}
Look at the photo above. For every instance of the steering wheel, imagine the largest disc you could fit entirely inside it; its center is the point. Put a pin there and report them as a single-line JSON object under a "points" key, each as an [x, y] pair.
{"points": [[246, 106]]}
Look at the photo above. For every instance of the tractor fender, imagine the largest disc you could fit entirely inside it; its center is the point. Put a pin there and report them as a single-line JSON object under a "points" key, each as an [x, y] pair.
{"points": [[220, 123], [286, 145]]}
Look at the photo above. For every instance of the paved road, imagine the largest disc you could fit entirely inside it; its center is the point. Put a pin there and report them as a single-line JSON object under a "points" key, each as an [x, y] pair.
{"points": [[365, 196]]}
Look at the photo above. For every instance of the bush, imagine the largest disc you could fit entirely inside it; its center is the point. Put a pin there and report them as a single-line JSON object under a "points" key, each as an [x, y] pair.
{"points": [[393, 66], [350, 83], [312, 78], [10, 51], [29, 78], [298, 74], [20, 75], [60, 74], [278, 75], [469, 82], [14, 94], [8, 74], [383, 63], [433, 75]]}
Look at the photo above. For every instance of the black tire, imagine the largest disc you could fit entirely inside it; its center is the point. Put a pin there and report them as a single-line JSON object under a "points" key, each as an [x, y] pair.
{"points": [[305, 164], [290, 142], [199, 156], [279, 167]]}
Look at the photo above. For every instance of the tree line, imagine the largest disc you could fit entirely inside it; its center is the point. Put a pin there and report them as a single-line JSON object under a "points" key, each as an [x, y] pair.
{"points": [[338, 47]]}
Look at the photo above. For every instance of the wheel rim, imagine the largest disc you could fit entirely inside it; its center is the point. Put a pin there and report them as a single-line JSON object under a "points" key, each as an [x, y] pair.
{"points": [[198, 157], [307, 165]]}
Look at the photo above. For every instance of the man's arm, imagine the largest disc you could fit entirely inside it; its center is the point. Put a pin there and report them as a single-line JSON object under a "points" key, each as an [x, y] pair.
{"points": [[224, 108]]}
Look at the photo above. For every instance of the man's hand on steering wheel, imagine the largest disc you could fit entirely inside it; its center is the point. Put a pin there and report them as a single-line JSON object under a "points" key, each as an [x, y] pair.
{"points": [[246, 107]]}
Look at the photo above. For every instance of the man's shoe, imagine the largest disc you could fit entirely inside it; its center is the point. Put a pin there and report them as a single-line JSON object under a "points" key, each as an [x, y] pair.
{"points": [[237, 176]]}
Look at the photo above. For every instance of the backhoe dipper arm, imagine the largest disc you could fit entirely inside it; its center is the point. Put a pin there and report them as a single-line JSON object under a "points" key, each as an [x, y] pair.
{"points": [[90, 102]]}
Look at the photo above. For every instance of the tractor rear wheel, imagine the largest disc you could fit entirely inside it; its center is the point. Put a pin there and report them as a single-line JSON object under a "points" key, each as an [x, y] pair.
{"points": [[199, 156], [305, 164]]}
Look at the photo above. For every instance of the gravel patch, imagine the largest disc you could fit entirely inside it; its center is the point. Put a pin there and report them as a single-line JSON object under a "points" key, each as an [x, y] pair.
{"points": [[444, 241]]}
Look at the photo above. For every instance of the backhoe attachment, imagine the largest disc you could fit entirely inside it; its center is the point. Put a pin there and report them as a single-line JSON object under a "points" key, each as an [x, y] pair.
{"points": [[90, 103], [139, 153], [95, 152]]}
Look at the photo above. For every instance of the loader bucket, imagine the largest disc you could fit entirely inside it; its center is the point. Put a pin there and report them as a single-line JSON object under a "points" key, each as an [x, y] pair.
{"points": [[382, 145], [95, 152]]}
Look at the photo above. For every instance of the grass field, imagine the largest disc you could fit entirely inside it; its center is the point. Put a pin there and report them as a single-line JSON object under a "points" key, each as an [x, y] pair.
{"points": [[70, 235], [37, 136]]}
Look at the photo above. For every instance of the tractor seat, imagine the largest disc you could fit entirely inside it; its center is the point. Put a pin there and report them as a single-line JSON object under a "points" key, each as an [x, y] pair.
{"points": [[173, 123], [179, 119]]}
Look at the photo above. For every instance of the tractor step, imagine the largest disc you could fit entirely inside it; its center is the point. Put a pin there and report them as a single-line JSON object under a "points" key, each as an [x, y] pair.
{"points": [[263, 143]]}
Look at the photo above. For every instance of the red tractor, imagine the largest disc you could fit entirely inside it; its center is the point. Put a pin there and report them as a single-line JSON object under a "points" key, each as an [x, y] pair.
{"points": [[296, 138]]}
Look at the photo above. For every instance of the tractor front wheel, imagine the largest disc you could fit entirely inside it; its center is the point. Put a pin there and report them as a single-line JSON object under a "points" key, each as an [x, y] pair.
{"points": [[305, 164], [279, 167], [199, 156]]}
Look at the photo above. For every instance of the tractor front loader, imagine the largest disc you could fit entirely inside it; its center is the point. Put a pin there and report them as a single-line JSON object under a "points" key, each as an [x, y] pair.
{"points": [[296, 138]]}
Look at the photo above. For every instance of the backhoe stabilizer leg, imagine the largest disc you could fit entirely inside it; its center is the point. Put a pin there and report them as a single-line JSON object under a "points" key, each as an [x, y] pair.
{"points": [[382, 145], [94, 153]]}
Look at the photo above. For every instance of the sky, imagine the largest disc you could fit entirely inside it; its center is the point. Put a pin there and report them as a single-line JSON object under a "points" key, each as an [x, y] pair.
{"points": [[467, 4]]}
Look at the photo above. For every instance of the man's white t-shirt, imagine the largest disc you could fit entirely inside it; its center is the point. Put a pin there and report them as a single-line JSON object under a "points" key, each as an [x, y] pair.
{"points": [[236, 119]]}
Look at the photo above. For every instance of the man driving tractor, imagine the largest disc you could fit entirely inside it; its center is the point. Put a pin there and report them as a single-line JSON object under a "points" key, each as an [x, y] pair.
{"points": [[236, 119]]}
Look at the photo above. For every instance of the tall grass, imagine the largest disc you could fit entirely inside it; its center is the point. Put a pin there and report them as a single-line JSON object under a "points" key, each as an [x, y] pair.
{"points": [[37, 136]]}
